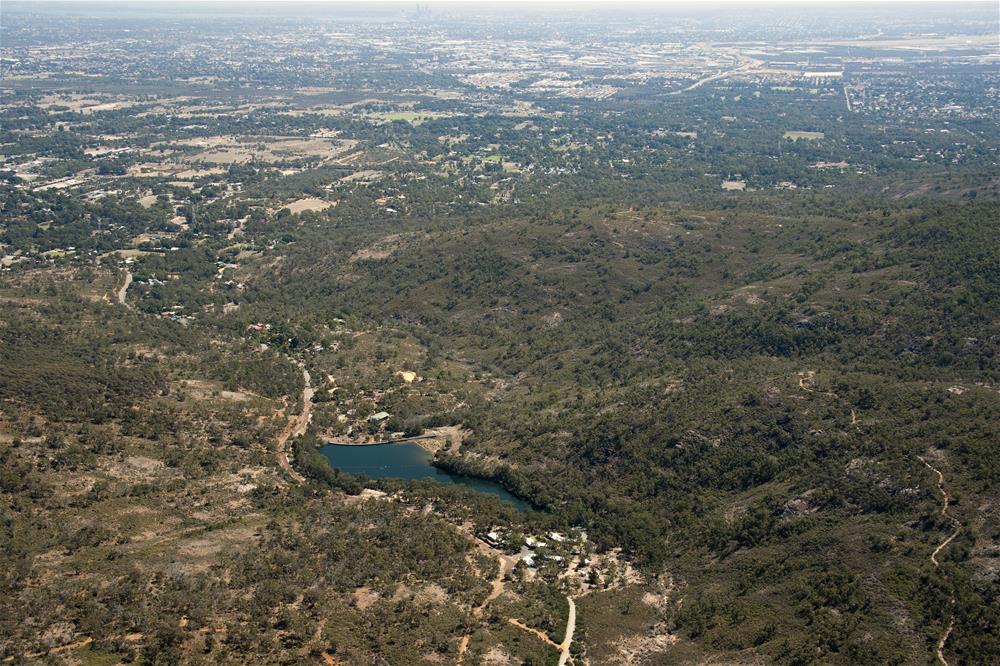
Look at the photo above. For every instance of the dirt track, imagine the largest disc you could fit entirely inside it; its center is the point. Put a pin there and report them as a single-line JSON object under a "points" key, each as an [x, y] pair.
{"points": [[296, 427], [506, 565], [570, 630], [124, 288], [564, 654], [945, 500]]}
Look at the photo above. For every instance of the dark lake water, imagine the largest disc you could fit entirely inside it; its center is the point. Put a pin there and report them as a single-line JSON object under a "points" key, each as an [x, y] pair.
{"points": [[409, 462]]}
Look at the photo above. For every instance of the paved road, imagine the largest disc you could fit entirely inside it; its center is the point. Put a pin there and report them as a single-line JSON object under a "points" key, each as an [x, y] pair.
{"points": [[722, 75]]}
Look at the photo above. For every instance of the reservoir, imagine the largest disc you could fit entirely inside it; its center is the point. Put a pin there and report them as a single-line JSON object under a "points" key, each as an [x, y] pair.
{"points": [[409, 462]]}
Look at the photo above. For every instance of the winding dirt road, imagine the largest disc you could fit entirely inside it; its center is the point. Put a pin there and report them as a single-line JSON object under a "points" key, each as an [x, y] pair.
{"points": [[564, 655], [496, 589], [570, 629], [944, 639], [124, 289], [296, 427]]}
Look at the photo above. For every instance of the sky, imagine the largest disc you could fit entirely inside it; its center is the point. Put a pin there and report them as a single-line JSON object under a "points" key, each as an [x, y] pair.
{"points": [[566, 2]]}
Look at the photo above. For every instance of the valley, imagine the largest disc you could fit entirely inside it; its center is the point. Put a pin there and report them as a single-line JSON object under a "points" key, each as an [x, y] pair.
{"points": [[347, 334]]}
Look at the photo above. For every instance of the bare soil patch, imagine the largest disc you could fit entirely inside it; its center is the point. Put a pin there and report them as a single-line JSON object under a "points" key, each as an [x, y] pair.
{"points": [[795, 135], [309, 204]]}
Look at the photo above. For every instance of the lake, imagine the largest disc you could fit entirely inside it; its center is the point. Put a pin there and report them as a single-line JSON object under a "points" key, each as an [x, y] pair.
{"points": [[409, 462]]}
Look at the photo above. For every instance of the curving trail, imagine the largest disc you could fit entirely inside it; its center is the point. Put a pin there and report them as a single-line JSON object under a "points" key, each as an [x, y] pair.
{"points": [[944, 512], [536, 632], [463, 647], [944, 639], [944, 543], [496, 589], [75, 645], [570, 629], [564, 655], [296, 427], [805, 383], [939, 652], [124, 288]]}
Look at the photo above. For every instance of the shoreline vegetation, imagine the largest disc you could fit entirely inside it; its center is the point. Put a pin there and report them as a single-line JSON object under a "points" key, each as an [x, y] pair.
{"points": [[425, 441]]}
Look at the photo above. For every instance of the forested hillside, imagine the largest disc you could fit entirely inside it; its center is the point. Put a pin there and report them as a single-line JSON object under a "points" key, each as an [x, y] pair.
{"points": [[393, 335]]}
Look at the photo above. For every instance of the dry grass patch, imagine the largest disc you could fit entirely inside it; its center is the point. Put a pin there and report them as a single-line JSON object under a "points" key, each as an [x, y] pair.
{"points": [[84, 104], [199, 389], [232, 150], [831, 165], [364, 598], [309, 204], [795, 135], [199, 553], [365, 175], [637, 649], [383, 249]]}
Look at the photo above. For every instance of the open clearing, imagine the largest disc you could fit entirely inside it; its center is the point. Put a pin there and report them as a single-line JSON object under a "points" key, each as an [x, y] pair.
{"points": [[233, 150], [85, 104], [796, 135], [309, 204], [412, 117], [831, 165]]}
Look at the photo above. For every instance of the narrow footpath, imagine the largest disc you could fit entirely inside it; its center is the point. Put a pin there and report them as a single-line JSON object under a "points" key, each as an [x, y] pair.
{"points": [[945, 500]]}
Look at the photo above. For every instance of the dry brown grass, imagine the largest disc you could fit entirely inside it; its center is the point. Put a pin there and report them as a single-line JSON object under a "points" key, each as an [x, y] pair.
{"points": [[795, 135], [309, 204]]}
